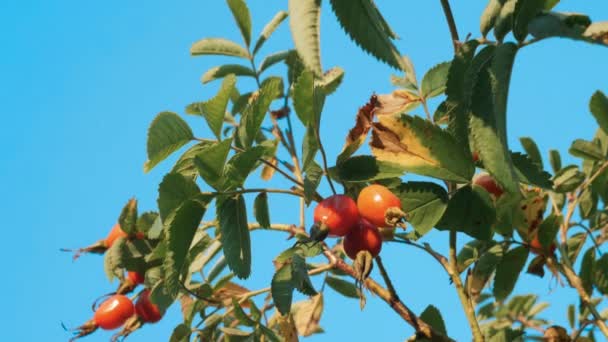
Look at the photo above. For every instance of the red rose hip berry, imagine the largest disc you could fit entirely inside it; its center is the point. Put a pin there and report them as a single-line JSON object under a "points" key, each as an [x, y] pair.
{"points": [[338, 213], [113, 312], [363, 237], [146, 310], [373, 202]]}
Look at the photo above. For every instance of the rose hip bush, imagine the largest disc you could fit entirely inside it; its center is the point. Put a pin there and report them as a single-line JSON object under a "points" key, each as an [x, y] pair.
{"points": [[517, 217]]}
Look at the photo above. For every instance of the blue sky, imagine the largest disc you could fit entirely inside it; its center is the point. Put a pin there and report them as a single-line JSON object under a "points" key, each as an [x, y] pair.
{"points": [[81, 81]]}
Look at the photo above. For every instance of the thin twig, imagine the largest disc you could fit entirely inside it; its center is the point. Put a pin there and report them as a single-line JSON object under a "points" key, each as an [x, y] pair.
{"points": [[387, 279], [449, 17]]}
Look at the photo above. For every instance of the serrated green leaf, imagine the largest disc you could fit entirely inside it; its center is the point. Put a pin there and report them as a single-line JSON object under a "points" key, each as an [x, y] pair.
{"points": [[488, 17], [529, 172], [112, 259], [272, 25], [236, 243], [343, 287], [174, 190], [254, 114], [273, 59], [218, 46], [568, 179], [598, 105], [524, 12], [471, 211], [261, 211], [588, 202], [365, 169], [587, 270], [418, 146], [471, 252], [300, 275], [210, 162], [282, 287], [330, 81], [364, 23], [432, 317], [305, 21], [185, 163], [167, 133], [424, 203], [181, 333], [225, 70], [547, 230], [488, 119], [600, 273], [240, 314], [574, 245], [310, 146], [483, 270], [555, 159], [214, 110], [312, 179], [586, 150], [128, 217], [240, 166], [180, 228], [507, 272], [241, 15], [303, 93], [532, 150], [504, 21], [434, 81]]}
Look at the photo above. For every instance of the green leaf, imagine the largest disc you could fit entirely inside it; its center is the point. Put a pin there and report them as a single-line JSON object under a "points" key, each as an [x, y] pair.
{"points": [[432, 316], [218, 46], [470, 211], [574, 245], [254, 114], [554, 24], [112, 259], [300, 275], [601, 274], [240, 166], [555, 159], [261, 211], [305, 21], [489, 15], [167, 133], [147, 221], [210, 162], [365, 169], [331, 80], [312, 179], [524, 12], [269, 29], [180, 228], [303, 93], [273, 59], [547, 231], [418, 146], [225, 70], [214, 110], [532, 150], [185, 163], [588, 270], [586, 150], [598, 105], [507, 272], [571, 315], [568, 179], [241, 15], [343, 287], [471, 252], [588, 202], [240, 314], [529, 172], [483, 270], [181, 333], [174, 190], [128, 217], [364, 23], [434, 81], [282, 287], [310, 146], [236, 243], [504, 21], [488, 120], [424, 203]]}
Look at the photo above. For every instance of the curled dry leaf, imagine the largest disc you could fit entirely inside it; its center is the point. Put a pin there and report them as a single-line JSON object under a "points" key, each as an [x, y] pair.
{"points": [[531, 211], [356, 135], [307, 315], [231, 290], [397, 102]]}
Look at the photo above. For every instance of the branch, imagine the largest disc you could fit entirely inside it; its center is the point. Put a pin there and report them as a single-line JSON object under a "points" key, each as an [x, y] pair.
{"points": [[387, 279], [449, 17]]}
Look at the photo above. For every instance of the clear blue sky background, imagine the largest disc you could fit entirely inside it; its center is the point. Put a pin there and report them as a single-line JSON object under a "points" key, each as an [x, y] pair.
{"points": [[81, 80]]}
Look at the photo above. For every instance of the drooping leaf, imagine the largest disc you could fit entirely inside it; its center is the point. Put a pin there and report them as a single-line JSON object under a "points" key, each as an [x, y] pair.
{"points": [[128, 217], [343, 287], [532, 150], [241, 15], [273, 59], [167, 133], [174, 190], [225, 70], [507, 272], [307, 314], [555, 24], [432, 316], [588, 202], [529, 172], [424, 204], [418, 146], [434, 81], [282, 287], [365, 169], [214, 110], [555, 159], [218, 46], [483, 270], [261, 211], [310, 147], [240, 166], [210, 162], [488, 17], [364, 23], [236, 243], [357, 135], [304, 21], [301, 278], [523, 14], [471, 211], [587, 270], [272, 25], [600, 279], [586, 150], [488, 119], [547, 230], [254, 114], [504, 21], [598, 105], [180, 228]]}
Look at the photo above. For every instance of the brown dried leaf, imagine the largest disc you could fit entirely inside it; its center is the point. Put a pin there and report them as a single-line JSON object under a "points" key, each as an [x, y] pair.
{"points": [[356, 136], [186, 303], [307, 314], [268, 171], [397, 102], [229, 291]]}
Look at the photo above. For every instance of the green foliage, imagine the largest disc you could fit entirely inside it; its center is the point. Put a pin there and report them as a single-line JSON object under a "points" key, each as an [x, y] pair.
{"points": [[434, 81], [528, 172], [128, 217], [269, 29], [532, 150], [507, 272], [210, 162], [424, 204], [432, 316], [218, 46], [167, 133], [598, 105], [236, 243], [254, 114], [471, 211], [365, 169], [242, 17], [304, 22], [214, 110], [523, 14], [261, 211], [343, 287], [364, 23], [222, 71]]}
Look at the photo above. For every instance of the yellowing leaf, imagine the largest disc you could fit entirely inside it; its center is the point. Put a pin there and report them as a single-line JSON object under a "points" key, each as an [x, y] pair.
{"points": [[530, 212], [420, 147], [356, 136]]}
